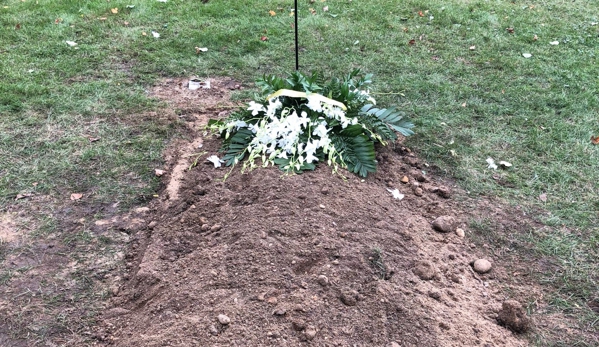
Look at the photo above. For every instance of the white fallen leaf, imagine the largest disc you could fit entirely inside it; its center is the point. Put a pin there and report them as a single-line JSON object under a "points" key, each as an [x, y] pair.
{"points": [[472, 48], [593, 23], [215, 160], [201, 49], [491, 163], [71, 43], [396, 194], [526, 55], [130, 6], [161, 0], [505, 164], [554, 43], [158, 172], [355, 43], [155, 34]]}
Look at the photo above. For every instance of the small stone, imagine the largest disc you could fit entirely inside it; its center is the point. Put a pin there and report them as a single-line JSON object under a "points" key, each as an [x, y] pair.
{"points": [[393, 344], [215, 227], [205, 227], [280, 311], [424, 270], [272, 300], [223, 319], [411, 161], [482, 266], [152, 224], [418, 191], [513, 316], [460, 232], [310, 333], [321, 206], [324, 190], [203, 220], [335, 262], [405, 179], [323, 280], [213, 330], [444, 224], [418, 176]]}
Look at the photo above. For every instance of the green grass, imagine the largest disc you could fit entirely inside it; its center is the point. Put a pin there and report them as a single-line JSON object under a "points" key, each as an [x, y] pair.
{"points": [[537, 113]]}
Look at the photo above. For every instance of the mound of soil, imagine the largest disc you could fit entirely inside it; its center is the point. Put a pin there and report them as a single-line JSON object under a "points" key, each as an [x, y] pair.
{"points": [[265, 259]]}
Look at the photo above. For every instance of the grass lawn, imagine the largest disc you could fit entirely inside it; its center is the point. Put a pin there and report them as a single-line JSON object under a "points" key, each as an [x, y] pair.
{"points": [[511, 80]]}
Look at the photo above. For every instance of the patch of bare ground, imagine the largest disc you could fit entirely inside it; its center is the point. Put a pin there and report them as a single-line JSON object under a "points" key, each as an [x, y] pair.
{"points": [[264, 259], [267, 259]]}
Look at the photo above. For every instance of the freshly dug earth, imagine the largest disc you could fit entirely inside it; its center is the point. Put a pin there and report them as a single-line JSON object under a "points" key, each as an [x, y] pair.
{"points": [[267, 259]]}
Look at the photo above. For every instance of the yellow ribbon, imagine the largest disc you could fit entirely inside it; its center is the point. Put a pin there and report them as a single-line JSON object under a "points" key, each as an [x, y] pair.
{"points": [[296, 94]]}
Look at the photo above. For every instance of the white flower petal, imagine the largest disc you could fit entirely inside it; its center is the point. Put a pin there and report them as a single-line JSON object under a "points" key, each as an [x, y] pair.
{"points": [[215, 160], [396, 194], [491, 163]]}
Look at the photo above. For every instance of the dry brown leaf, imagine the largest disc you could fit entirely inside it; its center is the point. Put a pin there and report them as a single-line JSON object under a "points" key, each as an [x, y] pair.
{"points": [[22, 196], [313, 11], [595, 140], [263, 38], [114, 10], [76, 196], [411, 42], [510, 30], [272, 13], [420, 14], [18, 26], [57, 20]]}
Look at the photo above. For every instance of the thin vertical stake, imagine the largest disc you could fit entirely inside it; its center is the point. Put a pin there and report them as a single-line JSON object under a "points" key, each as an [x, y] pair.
{"points": [[296, 44]]}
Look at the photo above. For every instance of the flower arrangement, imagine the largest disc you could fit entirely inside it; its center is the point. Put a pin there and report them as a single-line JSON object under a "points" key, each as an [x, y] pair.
{"points": [[302, 120]]}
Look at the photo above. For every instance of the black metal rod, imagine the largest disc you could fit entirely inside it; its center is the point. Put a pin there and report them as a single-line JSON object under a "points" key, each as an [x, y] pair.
{"points": [[296, 41]]}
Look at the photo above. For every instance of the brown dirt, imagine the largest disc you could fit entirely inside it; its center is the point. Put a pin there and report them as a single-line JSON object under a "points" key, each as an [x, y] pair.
{"points": [[315, 258]]}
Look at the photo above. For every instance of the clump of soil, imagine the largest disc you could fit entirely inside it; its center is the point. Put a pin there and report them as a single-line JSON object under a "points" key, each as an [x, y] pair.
{"points": [[262, 258]]}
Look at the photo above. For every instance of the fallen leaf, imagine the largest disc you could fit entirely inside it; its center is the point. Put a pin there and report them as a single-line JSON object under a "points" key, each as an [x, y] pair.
{"points": [[94, 139], [510, 30], [325, 9], [534, 38], [34, 184], [505, 164], [102, 18], [464, 105], [57, 20], [420, 14], [554, 43], [71, 43], [126, 23], [158, 172], [595, 140], [396, 194], [526, 55], [263, 38], [155, 34], [161, 0], [313, 11], [201, 49], [22, 196], [357, 41], [411, 42], [130, 6], [472, 48], [114, 10], [543, 197], [76, 196], [491, 163], [18, 26], [143, 33], [272, 13]]}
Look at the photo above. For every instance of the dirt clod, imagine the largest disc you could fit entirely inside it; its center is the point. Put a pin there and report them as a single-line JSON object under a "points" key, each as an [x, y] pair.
{"points": [[513, 316], [444, 224], [424, 270], [323, 280], [310, 333], [460, 232], [349, 297]]}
